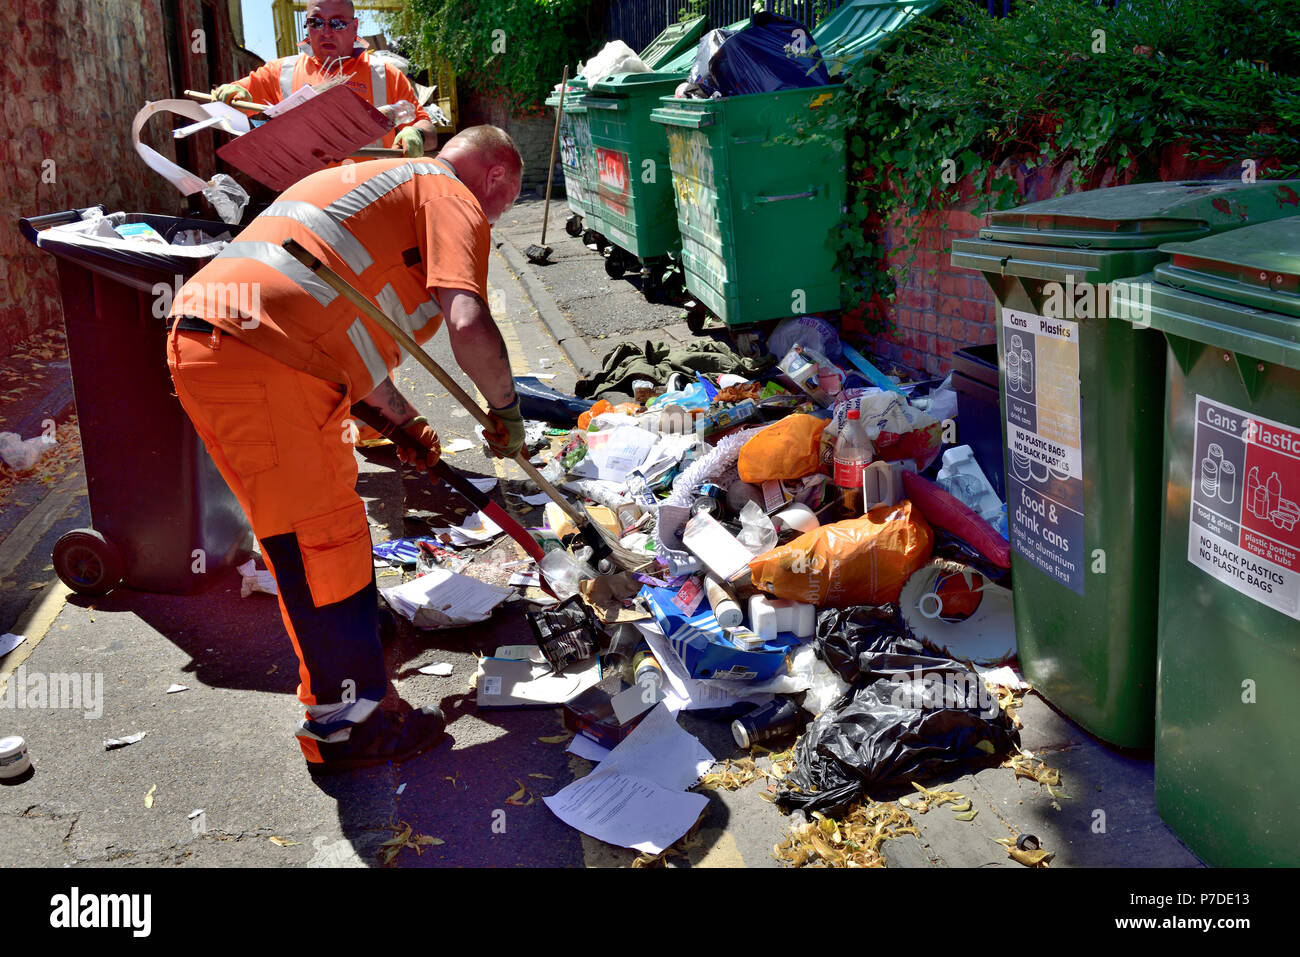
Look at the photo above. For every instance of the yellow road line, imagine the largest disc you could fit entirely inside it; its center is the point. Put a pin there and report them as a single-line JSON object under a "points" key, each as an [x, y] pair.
{"points": [[35, 623]]}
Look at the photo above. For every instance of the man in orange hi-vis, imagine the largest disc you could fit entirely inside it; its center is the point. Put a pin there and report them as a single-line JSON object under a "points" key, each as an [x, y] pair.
{"points": [[267, 360], [336, 51]]}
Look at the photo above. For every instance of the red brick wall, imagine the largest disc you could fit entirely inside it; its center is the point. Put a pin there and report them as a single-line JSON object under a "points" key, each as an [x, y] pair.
{"points": [[76, 72], [940, 308]]}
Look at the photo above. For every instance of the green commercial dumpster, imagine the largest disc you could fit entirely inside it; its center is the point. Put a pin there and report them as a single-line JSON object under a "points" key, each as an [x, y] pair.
{"points": [[1082, 394], [1227, 711], [577, 159], [634, 187], [757, 218]]}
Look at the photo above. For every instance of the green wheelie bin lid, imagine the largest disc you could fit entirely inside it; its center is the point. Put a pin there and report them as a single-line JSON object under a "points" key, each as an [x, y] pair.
{"points": [[1094, 231], [675, 39]]}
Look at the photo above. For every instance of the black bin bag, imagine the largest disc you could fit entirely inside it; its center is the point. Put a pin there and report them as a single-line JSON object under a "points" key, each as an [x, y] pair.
{"points": [[908, 716], [772, 53]]}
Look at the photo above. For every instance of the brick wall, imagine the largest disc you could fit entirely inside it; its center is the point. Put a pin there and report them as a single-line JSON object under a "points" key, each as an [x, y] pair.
{"points": [[77, 72], [940, 308], [532, 133]]}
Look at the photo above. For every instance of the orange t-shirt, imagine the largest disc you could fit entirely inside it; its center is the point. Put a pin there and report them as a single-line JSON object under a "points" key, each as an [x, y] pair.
{"points": [[375, 81], [396, 229]]}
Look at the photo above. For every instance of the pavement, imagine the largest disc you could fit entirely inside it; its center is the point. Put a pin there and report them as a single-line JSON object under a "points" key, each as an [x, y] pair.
{"points": [[218, 779]]}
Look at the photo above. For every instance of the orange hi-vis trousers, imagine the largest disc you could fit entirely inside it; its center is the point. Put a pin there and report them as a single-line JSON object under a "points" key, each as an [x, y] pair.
{"points": [[282, 440]]}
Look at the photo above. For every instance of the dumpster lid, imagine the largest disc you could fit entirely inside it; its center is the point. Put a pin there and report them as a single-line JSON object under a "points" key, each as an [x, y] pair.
{"points": [[675, 38], [1255, 266], [1143, 214], [860, 26]]}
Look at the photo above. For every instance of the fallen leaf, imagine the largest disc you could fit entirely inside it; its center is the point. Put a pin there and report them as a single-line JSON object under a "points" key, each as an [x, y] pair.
{"points": [[962, 807], [427, 841], [545, 776], [556, 738], [517, 799], [283, 842], [985, 746], [1038, 858], [967, 816], [271, 670], [148, 798]]}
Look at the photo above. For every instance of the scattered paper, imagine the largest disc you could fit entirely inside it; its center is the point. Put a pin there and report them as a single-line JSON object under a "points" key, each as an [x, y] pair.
{"points": [[533, 579], [458, 445], [442, 669], [193, 814], [444, 599], [297, 98], [619, 809], [508, 683], [175, 689], [660, 751], [478, 528], [255, 580], [10, 641], [615, 453], [520, 653], [586, 748], [401, 787], [1005, 675], [112, 744], [541, 498]]}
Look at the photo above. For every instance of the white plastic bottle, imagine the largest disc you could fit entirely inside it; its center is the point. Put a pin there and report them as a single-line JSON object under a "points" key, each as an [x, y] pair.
{"points": [[853, 453]]}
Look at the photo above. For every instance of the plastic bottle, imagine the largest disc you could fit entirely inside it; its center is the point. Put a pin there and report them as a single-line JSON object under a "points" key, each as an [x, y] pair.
{"points": [[853, 453]]}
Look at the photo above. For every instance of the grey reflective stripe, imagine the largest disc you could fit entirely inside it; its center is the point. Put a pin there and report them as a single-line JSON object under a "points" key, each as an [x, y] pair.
{"points": [[391, 303], [330, 232], [369, 352], [283, 263], [374, 189], [286, 74], [334, 722], [378, 83]]}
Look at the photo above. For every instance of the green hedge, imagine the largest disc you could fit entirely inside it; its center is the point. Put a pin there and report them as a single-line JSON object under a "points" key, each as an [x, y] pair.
{"points": [[1060, 81], [514, 49]]}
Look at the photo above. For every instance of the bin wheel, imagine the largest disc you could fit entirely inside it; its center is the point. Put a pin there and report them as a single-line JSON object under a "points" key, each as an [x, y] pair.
{"points": [[696, 318], [614, 267], [574, 225], [590, 238], [87, 562]]}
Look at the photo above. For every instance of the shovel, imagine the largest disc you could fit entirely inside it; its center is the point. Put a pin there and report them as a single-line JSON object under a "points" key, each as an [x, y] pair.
{"points": [[600, 548], [540, 255]]}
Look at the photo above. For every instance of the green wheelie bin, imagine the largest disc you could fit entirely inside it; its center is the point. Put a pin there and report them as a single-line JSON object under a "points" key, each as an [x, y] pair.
{"points": [[1082, 392], [634, 187], [577, 159], [757, 218], [1228, 649]]}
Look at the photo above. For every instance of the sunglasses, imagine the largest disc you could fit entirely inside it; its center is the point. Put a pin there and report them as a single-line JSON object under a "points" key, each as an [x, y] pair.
{"points": [[335, 23]]}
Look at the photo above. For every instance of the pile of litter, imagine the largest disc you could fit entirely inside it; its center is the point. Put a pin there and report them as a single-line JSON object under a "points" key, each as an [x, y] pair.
{"points": [[782, 544]]}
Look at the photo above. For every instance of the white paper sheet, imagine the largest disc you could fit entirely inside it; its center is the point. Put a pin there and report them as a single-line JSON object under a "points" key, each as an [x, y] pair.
{"points": [[509, 683], [660, 751], [297, 98], [586, 748], [444, 599], [626, 811], [612, 455], [478, 528], [458, 445], [182, 179]]}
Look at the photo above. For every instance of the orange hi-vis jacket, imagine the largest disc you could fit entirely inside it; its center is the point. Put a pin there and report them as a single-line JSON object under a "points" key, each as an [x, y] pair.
{"points": [[396, 229], [376, 82]]}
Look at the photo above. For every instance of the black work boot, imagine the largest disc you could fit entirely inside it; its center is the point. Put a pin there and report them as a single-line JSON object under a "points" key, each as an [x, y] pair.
{"points": [[386, 736]]}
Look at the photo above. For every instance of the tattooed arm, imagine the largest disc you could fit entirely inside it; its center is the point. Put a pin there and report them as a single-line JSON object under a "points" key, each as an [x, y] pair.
{"points": [[391, 403], [477, 344]]}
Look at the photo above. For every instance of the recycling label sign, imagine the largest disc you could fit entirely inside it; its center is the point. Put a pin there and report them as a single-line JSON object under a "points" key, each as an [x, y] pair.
{"points": [[1245, 521], [1040, 359]]}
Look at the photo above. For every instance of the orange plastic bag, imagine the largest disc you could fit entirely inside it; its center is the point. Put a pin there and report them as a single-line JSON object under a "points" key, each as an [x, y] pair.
{"points": [[788, 449], [862, 561]]}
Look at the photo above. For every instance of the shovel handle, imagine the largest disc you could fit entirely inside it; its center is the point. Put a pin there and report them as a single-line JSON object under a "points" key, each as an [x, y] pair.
{"points": [[369, 309], [238, 104]]}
